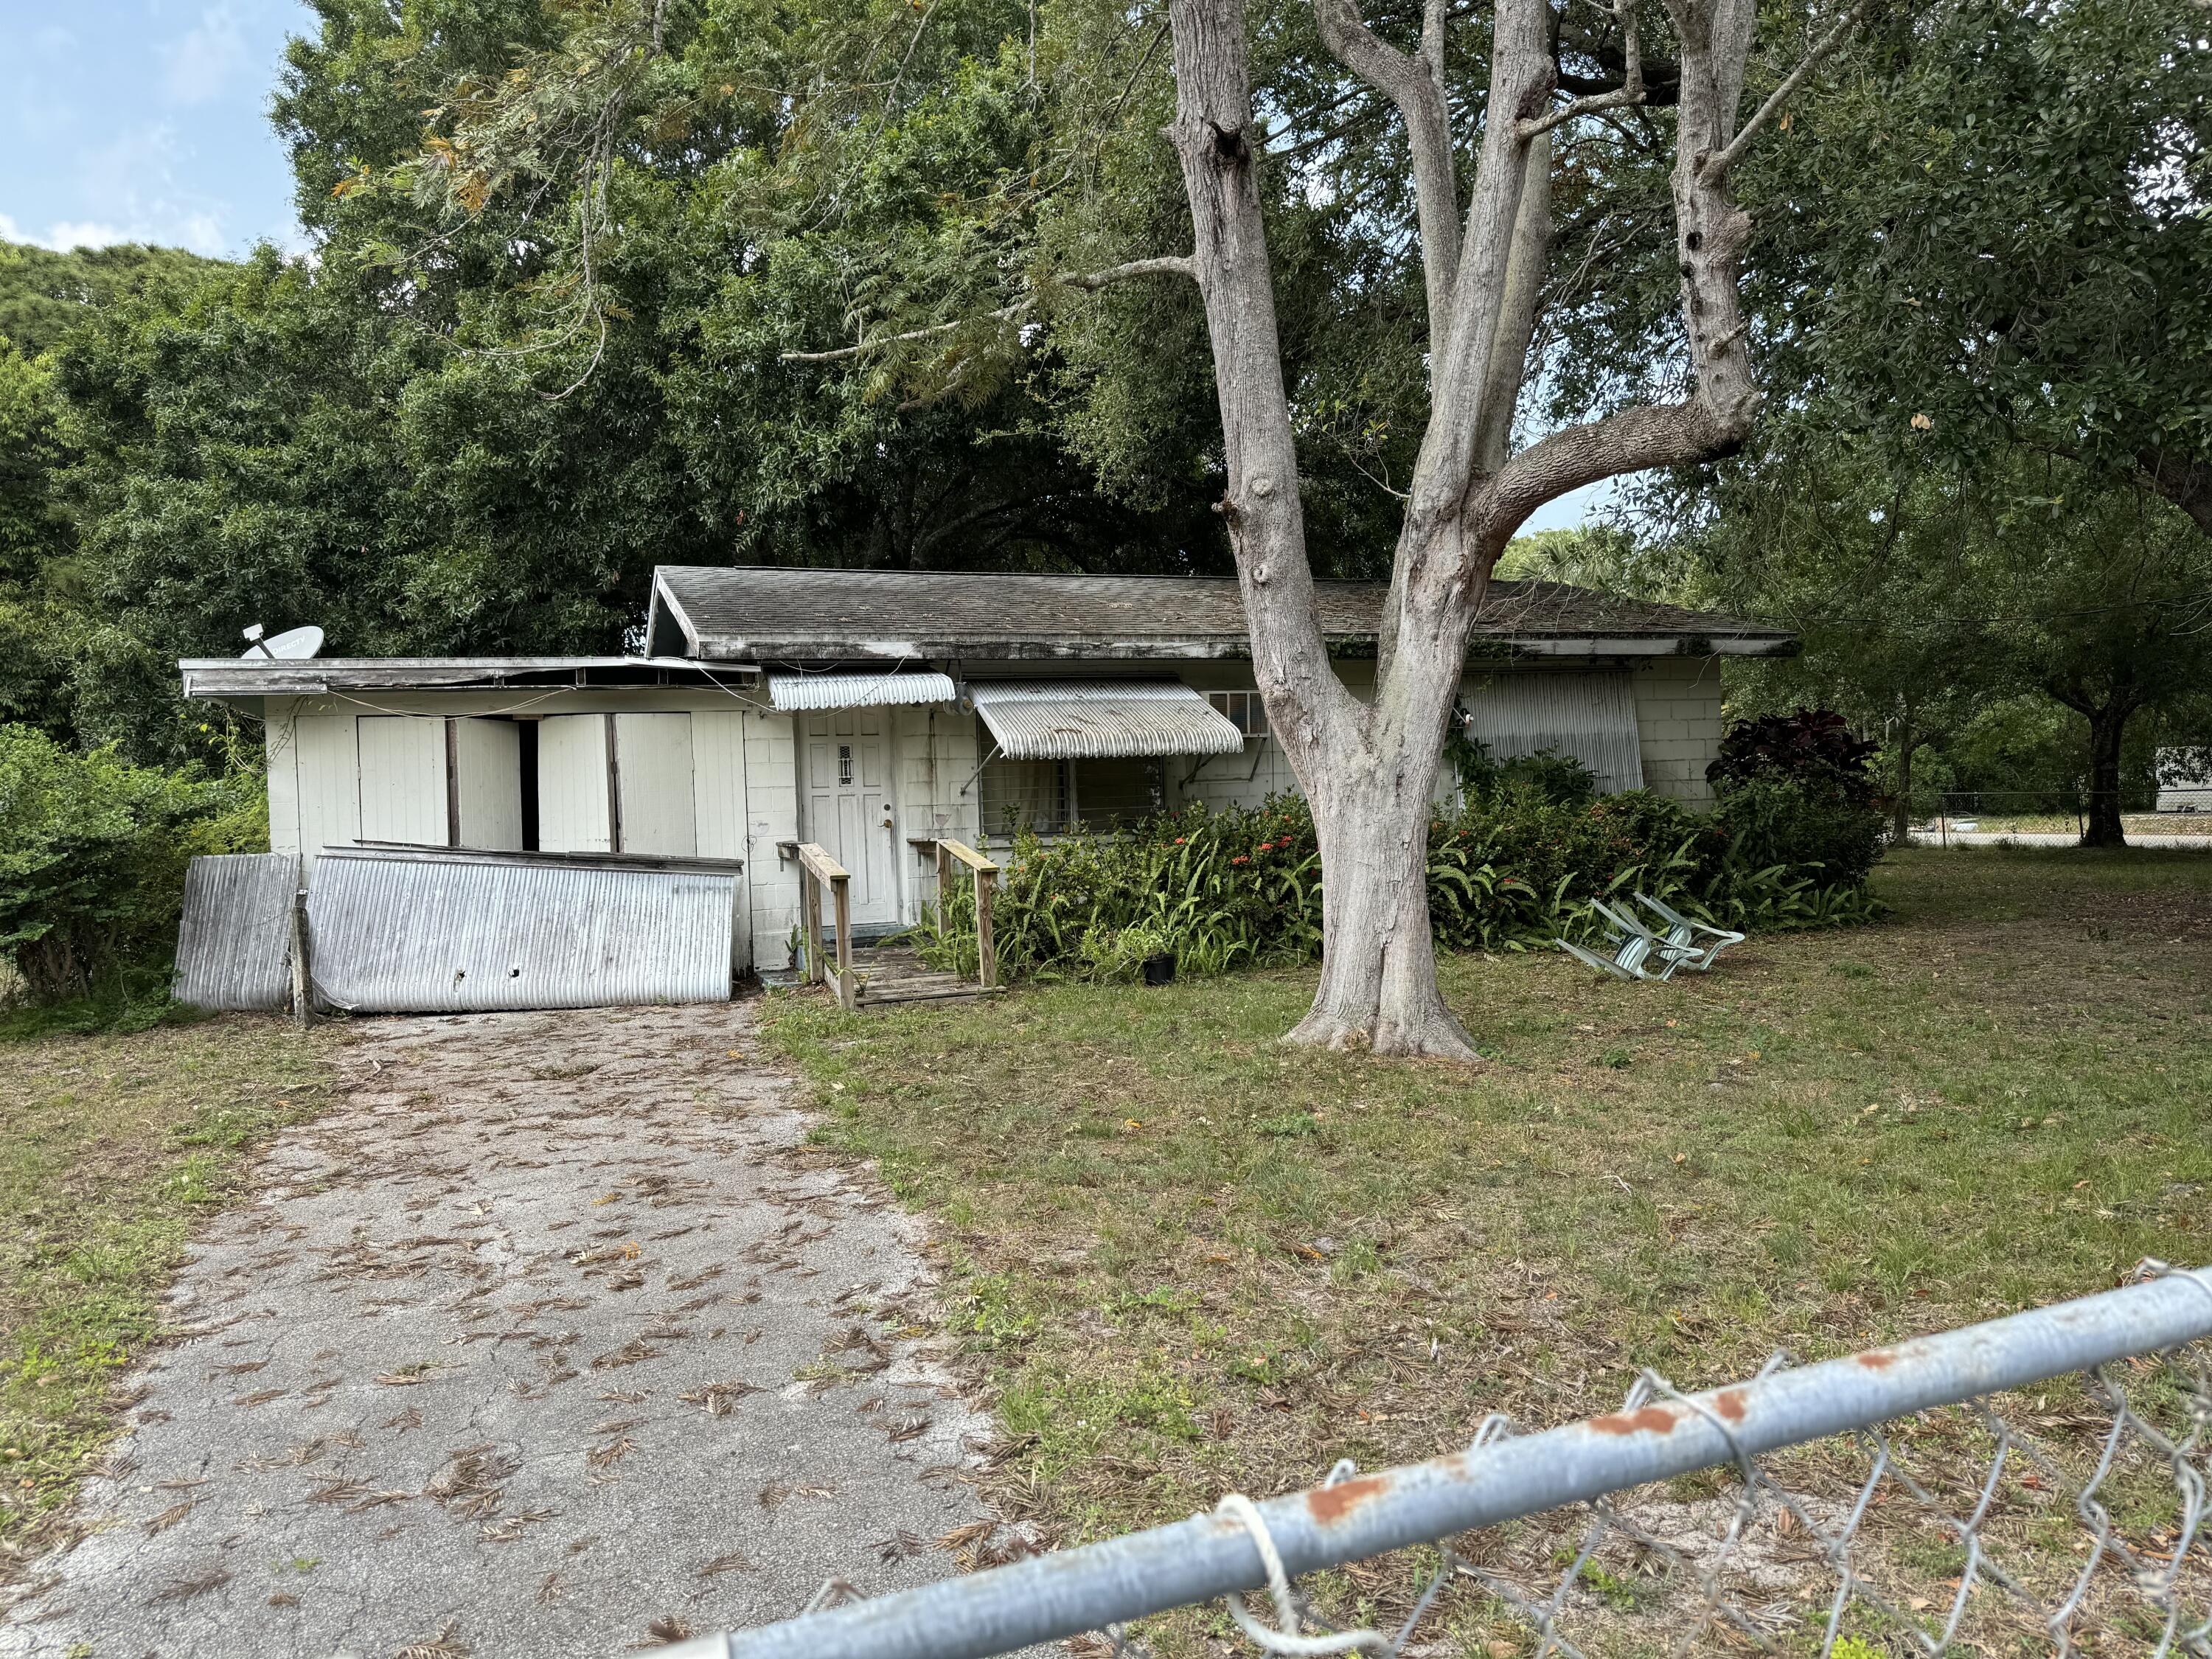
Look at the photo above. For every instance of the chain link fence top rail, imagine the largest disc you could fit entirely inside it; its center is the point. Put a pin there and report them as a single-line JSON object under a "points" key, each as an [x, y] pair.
{"points": [[2034, 1483]]}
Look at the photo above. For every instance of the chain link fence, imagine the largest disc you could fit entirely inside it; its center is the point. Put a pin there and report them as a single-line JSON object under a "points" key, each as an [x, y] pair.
{"points": [[1977, 815], [2034, 1483]]}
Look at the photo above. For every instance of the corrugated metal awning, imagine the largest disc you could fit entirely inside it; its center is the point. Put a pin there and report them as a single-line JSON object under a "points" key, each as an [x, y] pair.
{"points": [[877, 690], [1079, 720], [235, 941], [1591, 716], [402, 932]]}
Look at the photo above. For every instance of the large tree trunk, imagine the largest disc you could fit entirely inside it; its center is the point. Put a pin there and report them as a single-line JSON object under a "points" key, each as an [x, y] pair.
{"points": [[1373, 793], [1378, 976], [2107, 723]]}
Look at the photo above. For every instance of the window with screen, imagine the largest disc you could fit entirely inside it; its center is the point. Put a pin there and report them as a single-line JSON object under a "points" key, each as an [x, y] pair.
{"points": [[1108, 792], [1051, 797], [1023, 794], [1245, 710]]}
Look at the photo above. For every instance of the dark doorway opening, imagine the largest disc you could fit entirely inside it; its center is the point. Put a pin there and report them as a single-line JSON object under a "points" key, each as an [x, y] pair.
{"points": [[529, 768]]}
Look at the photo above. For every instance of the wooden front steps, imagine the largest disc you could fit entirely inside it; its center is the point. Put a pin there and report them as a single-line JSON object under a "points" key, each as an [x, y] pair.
{"points": [[895, 973]]}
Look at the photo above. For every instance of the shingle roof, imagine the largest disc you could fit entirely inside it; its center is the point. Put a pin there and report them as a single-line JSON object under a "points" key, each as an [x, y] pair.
{"points": [[774, 613]]}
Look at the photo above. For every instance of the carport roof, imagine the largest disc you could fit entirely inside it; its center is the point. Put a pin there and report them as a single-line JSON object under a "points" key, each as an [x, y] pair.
{"points": [[763, 614]]}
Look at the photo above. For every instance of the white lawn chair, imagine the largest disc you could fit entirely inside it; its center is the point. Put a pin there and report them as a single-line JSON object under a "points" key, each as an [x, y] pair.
{"points": [[1638, 953], [1691, 938]]}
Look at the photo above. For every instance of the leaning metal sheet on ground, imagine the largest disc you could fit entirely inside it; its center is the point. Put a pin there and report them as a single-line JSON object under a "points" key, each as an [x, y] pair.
{"points": [[402, 935], [234, 945]]}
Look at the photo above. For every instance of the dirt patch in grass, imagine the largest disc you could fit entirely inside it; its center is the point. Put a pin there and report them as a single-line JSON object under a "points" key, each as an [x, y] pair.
{"points": [[1195, 1262], [112, 1150]]}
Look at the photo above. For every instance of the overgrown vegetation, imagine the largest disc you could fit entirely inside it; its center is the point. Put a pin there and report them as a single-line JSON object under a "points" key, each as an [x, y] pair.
{"points": [[93, 853], [1513, 870], [1195, 1261], [113, 1150]]}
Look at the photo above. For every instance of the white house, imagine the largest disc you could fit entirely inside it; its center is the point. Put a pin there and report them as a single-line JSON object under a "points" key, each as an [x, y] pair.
{"points": [[874, 712]]}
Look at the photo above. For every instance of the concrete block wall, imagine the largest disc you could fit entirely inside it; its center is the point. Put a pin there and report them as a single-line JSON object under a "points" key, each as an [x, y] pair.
{"points": [[937, 750], [1223, 781], [1678, 722]]}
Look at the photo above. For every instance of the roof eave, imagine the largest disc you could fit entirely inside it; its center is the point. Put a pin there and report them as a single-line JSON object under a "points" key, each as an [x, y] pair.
{"points": [[745, 649], [230, 678]]}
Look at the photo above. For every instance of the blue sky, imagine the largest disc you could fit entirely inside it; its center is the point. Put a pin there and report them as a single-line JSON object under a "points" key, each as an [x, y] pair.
{"points": [[147, 121], [144, 120]]}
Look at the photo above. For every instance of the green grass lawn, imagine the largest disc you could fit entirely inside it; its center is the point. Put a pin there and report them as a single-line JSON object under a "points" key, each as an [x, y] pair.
{"points": [[1194, 1260], [112, 1149]]}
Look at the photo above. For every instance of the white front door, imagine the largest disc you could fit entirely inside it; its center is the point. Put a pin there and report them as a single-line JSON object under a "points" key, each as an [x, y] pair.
{"points": [[848, 804]]}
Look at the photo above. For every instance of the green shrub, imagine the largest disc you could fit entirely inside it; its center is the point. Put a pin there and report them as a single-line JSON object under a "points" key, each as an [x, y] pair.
{"points": [[93, 853], [1809, 826], [1482, 777], [1513, 870], [1814, 745]]}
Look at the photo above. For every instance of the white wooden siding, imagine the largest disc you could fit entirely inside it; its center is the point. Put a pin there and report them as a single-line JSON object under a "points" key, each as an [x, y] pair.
{"points": [[652, 762], [329, 758], [771, 817], [488, 780], [934, 786], [401, 762], [718, 791], [572, 784], [280, 744]]}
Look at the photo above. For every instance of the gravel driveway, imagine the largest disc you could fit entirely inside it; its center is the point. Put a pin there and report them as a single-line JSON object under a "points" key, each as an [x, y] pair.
{"points": [[547, 1340]]}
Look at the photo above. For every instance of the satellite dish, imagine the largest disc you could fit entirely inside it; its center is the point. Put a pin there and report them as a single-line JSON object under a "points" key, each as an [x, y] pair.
{"points": [[296, 645]]}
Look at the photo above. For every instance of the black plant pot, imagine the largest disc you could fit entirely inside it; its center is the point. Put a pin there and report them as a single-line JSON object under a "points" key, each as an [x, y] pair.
{"points": [[1160, 969]]}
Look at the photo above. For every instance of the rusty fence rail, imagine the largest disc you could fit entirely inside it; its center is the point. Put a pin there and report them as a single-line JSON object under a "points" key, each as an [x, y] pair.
{"points": [[1907, 1499]]}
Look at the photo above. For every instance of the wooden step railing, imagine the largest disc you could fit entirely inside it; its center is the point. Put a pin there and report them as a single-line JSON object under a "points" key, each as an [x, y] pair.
{"points": [[986, 875], [818, 870]]}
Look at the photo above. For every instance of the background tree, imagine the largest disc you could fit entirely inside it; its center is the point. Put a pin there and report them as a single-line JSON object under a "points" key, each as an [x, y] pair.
{"points": [[1931, 597], [1873, 565], [2005, 216]]}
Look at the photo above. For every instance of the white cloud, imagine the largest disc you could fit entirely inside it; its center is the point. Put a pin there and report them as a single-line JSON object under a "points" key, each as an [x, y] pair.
{"points": [[65, 234], [199, 64], [200, 231], [62, 236]]}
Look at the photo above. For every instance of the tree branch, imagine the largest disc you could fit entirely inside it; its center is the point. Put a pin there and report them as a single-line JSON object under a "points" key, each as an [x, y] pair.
{"points": [[1655, 435], [1090, 282], [1717, 165], [1518, 307], [1213, 134], [1416, 86], [1631, 90], [1166, 264]]}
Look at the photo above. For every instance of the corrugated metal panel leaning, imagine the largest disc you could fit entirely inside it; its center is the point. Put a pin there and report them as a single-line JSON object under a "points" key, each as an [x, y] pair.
{"points": [[234, 942], [456, 935], [1591, 716], [1082, 720], [878, 691]]}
